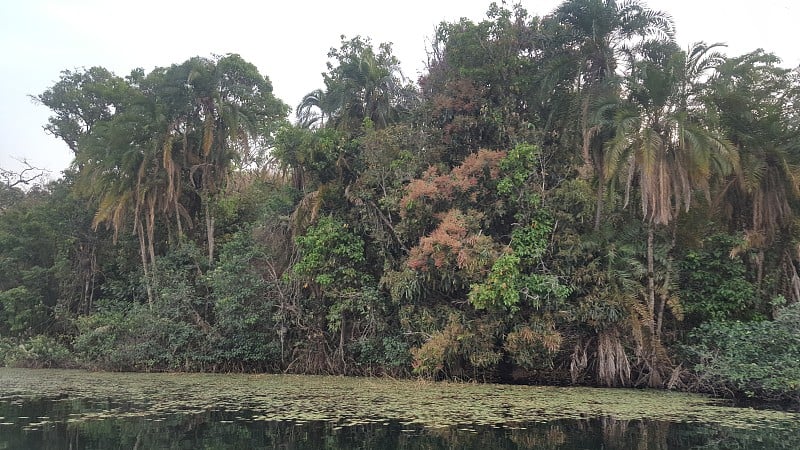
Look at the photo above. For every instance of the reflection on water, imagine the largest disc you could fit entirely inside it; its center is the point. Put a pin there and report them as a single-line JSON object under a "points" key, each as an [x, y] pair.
{"points": [[71, 409], [64, 423]]}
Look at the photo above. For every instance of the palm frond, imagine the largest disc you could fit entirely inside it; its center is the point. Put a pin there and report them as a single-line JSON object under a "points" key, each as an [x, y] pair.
{"points": [[306, 212]]}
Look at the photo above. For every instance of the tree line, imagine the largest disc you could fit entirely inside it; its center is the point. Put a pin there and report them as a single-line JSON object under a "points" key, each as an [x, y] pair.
{"points": [[568, 199]]}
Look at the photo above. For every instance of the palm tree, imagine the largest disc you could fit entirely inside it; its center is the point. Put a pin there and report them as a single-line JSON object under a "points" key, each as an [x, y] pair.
{"points": [[313, 108], [178, 134], [600, 34], [219, 108], [364, 85], [119, 168], [601, 39], [757, 102], [151, 145], [664, 145]]}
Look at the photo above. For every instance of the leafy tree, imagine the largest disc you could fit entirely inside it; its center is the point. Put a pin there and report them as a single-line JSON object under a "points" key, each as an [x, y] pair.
{"points": [[520, 274], [750, 359], [480, 89], [332, 268], [443, 211], [361, 83], [80, 100], [28, 253], [714, 284], [243, 318]]}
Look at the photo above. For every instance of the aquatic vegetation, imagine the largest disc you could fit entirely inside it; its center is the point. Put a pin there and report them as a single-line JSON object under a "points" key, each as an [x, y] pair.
{"points": [[95, 410], [351, 401]]}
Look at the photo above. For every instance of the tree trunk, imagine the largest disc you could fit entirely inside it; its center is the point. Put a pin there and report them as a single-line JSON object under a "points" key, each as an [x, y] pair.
{"points": [[151, 232], [143, 253], [664, 297], [341, 345], [210, 234], [654, 378], [587, 169], [651, 284], [298, 179], [660, 314], [599, 203], [178, 222]]}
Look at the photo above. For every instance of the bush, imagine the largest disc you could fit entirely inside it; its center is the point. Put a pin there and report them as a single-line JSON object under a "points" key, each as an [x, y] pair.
{"points": [[133, 339], [39, 351], [389, 355], [459, 351], [756, 360], [714, 285], [6, 347]]}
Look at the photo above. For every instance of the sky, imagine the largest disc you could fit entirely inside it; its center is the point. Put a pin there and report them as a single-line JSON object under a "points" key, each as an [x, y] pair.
{"points": [[288, 41]]}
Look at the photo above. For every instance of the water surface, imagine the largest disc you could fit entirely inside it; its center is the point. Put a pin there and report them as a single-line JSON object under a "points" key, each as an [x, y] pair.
{"points": [[86, 410]]}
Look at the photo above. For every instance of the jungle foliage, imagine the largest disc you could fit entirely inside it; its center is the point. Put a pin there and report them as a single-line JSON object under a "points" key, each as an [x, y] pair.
{"points": [[568, 199]]}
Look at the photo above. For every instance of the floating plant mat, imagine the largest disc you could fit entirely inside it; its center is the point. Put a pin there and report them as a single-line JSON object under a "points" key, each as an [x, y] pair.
{"points": [[352, 401]]}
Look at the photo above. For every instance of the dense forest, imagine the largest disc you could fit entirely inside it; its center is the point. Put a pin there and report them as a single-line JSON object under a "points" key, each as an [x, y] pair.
{"points": [[566, 199]]}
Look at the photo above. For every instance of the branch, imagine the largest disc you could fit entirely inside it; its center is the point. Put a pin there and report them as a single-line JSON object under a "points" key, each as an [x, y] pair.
{"points": [[26, 176]]}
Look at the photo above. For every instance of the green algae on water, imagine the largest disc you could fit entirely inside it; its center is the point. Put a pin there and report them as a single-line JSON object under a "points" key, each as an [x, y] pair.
{"points": [[355, 401]]}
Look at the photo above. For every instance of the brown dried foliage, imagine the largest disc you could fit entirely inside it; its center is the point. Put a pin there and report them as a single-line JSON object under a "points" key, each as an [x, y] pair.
{"points": [[467, 178]]}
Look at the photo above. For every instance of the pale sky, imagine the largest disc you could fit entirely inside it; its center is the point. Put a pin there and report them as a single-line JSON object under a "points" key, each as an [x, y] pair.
{"points": [[287, 40]]}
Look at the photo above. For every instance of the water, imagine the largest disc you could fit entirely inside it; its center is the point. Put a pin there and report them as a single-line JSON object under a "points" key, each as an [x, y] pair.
{"points": [[44, 409]]}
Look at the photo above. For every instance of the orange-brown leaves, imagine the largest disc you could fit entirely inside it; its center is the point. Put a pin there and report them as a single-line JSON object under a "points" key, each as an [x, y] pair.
{"points": [[455, 248], [485, 164], [467, 180], [431, 186], [443, 210], [444, 244], [459, 97], [532, 348]]}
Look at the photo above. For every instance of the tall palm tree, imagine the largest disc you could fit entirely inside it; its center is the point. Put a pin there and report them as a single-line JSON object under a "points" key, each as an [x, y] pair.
{"points": [[108, 122], [664, 144], [219, 109], [600, 34], [662, 137], [172, 144], [119, 168], [364, 84], [755, 99], [756, 102], [601, 40]]}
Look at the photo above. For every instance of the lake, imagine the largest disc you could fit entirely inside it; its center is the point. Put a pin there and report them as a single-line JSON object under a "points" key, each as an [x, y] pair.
{"points": [[58, 409]]}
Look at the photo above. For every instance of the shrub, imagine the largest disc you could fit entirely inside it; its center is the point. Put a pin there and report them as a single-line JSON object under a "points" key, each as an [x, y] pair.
{"points": [[374, 354], [6, 347], [459, 351], [39, 351], [757, 360], [133, 339], [714, 285]]}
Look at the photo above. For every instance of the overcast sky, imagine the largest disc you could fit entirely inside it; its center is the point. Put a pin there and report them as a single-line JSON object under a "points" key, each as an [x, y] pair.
{"points": [[287, 40]]}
